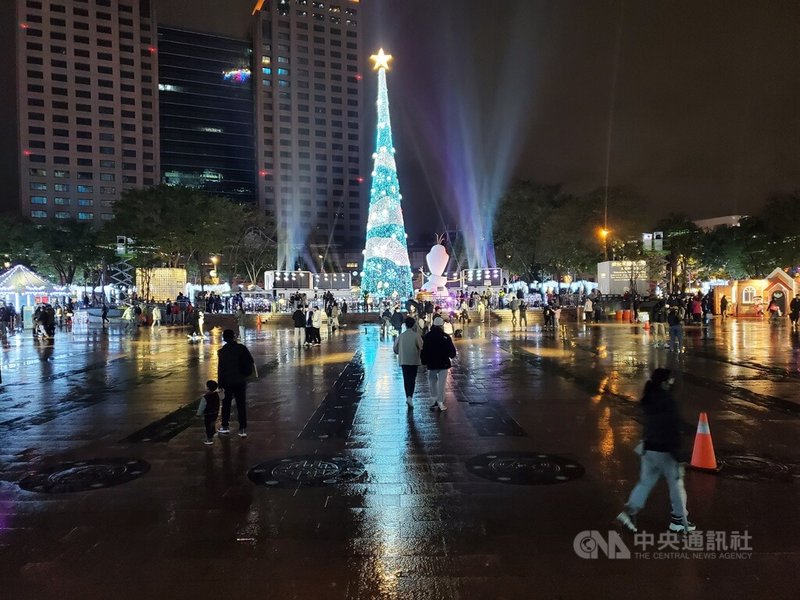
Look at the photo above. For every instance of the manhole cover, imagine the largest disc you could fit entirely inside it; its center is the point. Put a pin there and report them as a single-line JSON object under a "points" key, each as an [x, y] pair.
{"points": [[749, 467], [525, 468], [80, 476], [312, 470]]}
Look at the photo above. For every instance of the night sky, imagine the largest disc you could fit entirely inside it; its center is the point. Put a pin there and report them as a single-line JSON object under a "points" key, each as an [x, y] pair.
{"points": [[706, 115]]}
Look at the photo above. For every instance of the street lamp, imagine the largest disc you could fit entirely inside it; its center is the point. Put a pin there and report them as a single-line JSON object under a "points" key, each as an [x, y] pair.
{"points": [[604, 236], [321, 267]]}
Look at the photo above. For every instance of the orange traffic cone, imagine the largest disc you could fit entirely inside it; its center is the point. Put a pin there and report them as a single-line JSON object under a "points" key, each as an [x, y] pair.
{"points": [[703, 456]]}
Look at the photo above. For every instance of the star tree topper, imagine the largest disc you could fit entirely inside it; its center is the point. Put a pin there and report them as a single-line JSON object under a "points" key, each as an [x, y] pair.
{"points": [[381, 60]]}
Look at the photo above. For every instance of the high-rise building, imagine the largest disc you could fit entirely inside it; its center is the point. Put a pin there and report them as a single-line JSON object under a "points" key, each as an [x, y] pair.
{"points": [[309, 102], [207, 126], [83, 123]]}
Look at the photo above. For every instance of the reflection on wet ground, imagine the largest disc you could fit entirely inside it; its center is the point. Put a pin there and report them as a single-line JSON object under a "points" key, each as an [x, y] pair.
{"points": [[352, 495]]}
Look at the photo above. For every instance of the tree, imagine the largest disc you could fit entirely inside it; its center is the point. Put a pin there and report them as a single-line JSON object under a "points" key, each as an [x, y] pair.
{"points": [[683, 243], [254, 249], [176, 225], [57, 249], [780, 218], [519, 223]]}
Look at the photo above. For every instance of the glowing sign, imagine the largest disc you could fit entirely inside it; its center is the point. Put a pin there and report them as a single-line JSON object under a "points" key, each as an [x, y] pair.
{"points": [[237, 75]]}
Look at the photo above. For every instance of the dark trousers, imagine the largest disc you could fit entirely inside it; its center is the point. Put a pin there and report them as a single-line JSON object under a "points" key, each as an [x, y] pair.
{"points": [[210, 421], [409, 378], [309, 335], [236, 391]]}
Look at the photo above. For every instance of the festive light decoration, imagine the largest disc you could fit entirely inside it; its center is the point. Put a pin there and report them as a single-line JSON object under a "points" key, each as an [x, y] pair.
{"points": [[236, 75], [387, 270]]}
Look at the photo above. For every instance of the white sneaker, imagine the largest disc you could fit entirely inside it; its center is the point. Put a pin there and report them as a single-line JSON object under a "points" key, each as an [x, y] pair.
{"points": [[242, 433], [441, 406], [224, 430], [677, 526], [625, 520], [409, 402]]}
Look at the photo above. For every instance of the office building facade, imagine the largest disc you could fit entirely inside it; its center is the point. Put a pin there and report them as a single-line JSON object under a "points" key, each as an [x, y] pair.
{"points": [[309, 102], [207, 125], [83, 126]]}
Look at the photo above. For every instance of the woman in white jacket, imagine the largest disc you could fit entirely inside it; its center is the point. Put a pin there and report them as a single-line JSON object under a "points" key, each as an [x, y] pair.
{"points": [[407, 346], [316, 324]]}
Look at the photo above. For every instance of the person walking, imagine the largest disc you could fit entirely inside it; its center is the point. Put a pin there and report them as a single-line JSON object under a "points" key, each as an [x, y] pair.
{"points": [[335, 312], [209, 410], [662, 453], [104, 316], [437, 351], [523, 315], [299, 320], [241, 321], [794, 311], [407, 346], [514, 306], [156, 316], [234, 365], [723, 307]]}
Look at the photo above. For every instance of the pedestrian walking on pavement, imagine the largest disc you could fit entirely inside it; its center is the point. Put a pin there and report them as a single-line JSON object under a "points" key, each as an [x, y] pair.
{"points": [[407, 346], [156, 316], [675, 321], [663, 453], [794, 311], [241, 321], [209, 410], [316, 326], [437, 351], [234, 365], [514, 306]]}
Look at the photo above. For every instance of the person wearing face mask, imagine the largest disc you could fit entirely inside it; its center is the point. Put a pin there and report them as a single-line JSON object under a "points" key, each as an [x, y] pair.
{"points": [[662, 452]]}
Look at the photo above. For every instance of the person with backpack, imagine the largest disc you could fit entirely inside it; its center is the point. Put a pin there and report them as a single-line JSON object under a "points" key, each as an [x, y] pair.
{"points": [[675, 321], [437, 351], [234, 365], [663, 454]]}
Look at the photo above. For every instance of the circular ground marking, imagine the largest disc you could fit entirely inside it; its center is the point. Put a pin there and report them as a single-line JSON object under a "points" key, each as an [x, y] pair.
{"points": [[749, 467], [311, 470], [525, 468], [83, 475]]}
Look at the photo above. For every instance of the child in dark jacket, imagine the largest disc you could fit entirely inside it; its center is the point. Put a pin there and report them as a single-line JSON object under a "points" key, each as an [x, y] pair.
{"points": [[209, 409]]}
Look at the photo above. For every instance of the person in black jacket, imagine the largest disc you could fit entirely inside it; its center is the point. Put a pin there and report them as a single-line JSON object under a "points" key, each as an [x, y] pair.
{"points": [[234, 365], [662, 453], [299, 319], [437, 350]]}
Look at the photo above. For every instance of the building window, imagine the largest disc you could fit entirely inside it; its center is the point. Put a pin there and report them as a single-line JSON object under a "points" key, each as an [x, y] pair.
{"points": [[85, 216], [85, 189], [62, 215], [38, 214], [61, 201], [748, 295], [38, 199]]}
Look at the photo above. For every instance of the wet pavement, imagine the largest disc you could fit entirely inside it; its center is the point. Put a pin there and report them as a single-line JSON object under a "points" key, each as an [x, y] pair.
{"points": [[341, 492]]}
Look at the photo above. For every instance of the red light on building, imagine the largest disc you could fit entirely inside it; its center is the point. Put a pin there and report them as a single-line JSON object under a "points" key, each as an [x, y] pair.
{"points": [[152, 49], [23, 25], [263, 172], [360, 179], [27, 152], [358, 76]]}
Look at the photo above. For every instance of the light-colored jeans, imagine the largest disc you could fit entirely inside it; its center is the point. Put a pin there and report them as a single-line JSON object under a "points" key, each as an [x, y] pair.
{"points": [[654, 465], [437, 380], [299, 332], [659, 333]]}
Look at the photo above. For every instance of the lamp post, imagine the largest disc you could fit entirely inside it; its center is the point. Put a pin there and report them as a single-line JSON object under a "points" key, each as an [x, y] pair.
{"points": [[604, 236]]}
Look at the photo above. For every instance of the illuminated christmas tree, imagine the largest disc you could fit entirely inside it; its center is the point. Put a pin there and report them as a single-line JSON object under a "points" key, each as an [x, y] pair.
{"points": [[387, 270]]}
